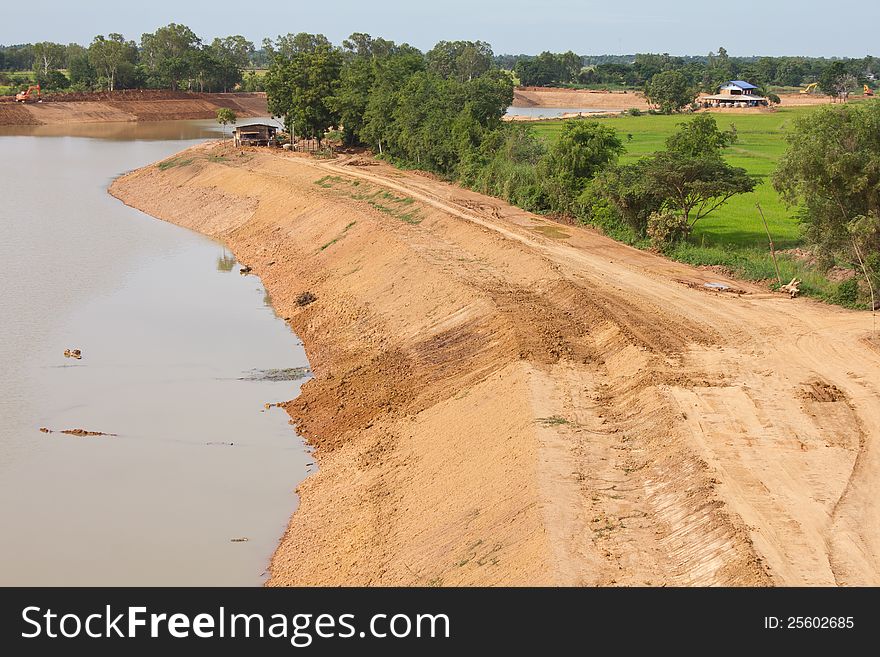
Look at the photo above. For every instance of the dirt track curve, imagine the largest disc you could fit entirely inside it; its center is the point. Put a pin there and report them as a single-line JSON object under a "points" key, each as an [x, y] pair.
{"points": [[503, 400]]}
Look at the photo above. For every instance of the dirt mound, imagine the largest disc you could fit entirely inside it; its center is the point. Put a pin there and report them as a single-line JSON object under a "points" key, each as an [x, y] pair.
{"points": [[130, 105], [577, 98], [495, 405]]}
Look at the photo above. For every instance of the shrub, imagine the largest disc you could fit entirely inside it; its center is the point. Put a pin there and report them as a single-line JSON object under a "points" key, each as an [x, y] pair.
{"points": [[666, 228], [847, 292]]}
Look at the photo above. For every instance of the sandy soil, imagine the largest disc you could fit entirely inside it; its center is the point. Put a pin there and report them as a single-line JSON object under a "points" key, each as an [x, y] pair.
{"points": [[499, 399], [130, 106], [579, 98]]}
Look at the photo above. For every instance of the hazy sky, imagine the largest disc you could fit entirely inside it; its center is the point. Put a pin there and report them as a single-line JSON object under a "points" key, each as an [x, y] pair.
{"points": [[744, 27]]}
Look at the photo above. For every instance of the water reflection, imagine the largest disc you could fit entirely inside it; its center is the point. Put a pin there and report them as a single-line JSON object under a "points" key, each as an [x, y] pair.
{"points": [[225, 262]]}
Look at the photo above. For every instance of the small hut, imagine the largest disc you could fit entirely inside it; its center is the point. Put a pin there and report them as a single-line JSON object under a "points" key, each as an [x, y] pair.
{"points": [[255, 134]]}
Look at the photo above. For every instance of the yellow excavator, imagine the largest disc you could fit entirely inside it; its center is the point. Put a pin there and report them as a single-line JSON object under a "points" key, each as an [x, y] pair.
{"points": [[810, 88], [868, 90]]}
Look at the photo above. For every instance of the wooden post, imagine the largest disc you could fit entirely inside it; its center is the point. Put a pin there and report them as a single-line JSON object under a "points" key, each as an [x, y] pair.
{"points": [[770, 239]]}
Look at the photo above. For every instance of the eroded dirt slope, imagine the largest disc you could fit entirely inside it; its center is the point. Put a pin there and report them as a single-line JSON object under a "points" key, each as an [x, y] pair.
{"points": [[129, 105], [502, 400]]}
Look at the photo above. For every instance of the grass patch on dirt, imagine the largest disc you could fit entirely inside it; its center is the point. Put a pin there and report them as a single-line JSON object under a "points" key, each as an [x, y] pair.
{"points": [[386, 202], [553, 420], [338, 237], [175, 162]]}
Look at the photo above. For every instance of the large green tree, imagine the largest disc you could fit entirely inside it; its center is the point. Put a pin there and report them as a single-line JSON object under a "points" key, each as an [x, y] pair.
{"points": [[300, 87], [584, 148], [108, 55], [831, 171], [462, 60], [694, 186], [167, 54], [700, 136], [48, 56], [670, 91]]}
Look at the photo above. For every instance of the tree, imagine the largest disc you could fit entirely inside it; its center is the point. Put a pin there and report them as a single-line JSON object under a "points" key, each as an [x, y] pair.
{"points": [[700, 136], [832, 171], [583, 149], [226, 116], [300, 88], [391, 74], [462, 60], [670, 91], [627, 188], [166, 53], [106, 56], [48, 56], [694, 186], [289, 45], [230, 56]]}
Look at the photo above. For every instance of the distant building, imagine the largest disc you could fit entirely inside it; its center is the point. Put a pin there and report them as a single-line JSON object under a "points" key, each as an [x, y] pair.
{"points": [[255, 134], [736, 93]]}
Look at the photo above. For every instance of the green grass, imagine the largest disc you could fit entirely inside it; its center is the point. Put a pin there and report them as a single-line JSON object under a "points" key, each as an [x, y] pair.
{"points": [[733, 236], [399, 207], [338, 237], [760, 145], [174, 162]]}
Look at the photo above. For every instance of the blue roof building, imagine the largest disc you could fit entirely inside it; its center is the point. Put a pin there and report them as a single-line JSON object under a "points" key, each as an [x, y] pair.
{"points": [[736, 93]]}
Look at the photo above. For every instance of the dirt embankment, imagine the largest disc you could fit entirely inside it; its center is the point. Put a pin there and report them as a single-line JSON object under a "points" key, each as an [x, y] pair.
{"points": [[501, 400], [129, 105], [578, 98]]}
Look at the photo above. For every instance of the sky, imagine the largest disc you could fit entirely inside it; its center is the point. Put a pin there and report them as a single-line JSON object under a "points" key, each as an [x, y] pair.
{"points": [[842, 28]]}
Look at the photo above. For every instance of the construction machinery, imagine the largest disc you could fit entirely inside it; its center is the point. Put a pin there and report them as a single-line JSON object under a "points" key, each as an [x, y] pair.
{"points": [[868, 90], [809, 88], [26, 96]]}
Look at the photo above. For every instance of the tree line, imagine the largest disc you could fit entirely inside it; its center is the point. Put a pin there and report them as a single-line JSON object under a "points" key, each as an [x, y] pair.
{"points": [[702, 73], [171, 57], [441, 111]]}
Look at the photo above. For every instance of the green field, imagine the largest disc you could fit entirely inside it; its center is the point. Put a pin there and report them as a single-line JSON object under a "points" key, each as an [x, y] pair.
{"points": [[760, 145]]}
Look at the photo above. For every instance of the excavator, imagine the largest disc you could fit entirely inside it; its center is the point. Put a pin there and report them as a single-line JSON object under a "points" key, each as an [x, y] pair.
{"points": [[809, 88], [25, 96], [868, 90]]}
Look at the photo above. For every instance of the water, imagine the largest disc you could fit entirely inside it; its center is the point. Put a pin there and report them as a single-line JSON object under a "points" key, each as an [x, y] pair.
{"points": [[168, 328], [554, 112]]}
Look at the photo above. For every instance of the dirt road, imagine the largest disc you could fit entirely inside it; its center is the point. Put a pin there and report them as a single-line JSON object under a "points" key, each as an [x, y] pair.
{"points": [[503, 400]]}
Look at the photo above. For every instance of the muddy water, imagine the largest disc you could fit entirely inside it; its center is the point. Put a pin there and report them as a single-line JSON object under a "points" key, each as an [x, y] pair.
{"points": [[170, 335]]}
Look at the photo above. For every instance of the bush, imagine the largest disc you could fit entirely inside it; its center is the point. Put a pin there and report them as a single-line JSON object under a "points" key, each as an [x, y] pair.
{"points": [[666, 228], [847, 292], [634, 111]]}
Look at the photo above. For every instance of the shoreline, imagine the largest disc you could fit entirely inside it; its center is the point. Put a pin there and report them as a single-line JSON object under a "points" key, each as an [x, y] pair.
{"points": [[130, 106], [502, 400]]}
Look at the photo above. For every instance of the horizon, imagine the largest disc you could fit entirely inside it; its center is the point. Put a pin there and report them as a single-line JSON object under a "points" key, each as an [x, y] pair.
{"points": [[514, 27]]}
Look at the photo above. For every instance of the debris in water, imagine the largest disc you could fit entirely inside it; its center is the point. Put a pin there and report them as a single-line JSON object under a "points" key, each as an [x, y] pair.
{"points": [[73, 353], [717, 286], [221, 443], [77, 432], [285, 374], [243, 539], [245, 269]]}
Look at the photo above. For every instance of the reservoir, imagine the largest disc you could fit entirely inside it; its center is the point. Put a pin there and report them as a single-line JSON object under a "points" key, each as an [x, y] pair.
{"points": [[197, 484]]}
